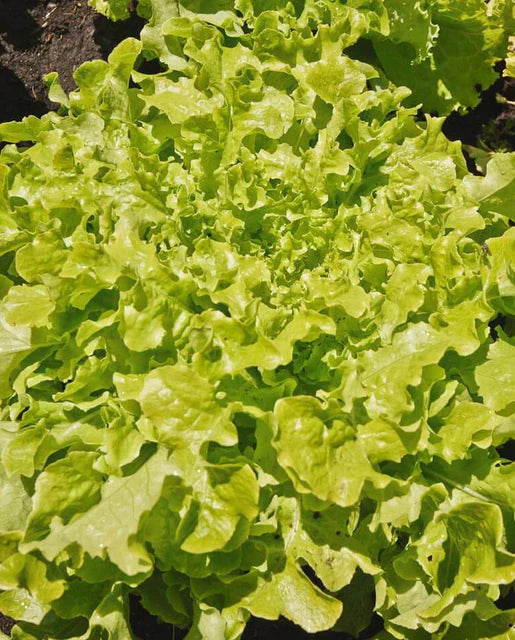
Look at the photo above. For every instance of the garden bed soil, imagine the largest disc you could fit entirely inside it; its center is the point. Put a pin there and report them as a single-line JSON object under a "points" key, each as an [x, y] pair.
{"points": [[39, 36]]}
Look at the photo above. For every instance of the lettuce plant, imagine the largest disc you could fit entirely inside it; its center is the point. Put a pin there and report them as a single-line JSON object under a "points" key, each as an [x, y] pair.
{"points": [[246, 362], [443, 50]]}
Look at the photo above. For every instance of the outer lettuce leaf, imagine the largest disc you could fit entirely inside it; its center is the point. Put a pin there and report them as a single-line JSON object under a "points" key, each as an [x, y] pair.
{"points": [[496, 377], [510, 66], [114, 9], [97, 531], [466, 40], [292, 595]]}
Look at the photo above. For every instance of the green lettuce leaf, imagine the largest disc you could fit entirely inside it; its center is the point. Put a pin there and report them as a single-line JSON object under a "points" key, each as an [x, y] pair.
{"points": [[252, 361]]}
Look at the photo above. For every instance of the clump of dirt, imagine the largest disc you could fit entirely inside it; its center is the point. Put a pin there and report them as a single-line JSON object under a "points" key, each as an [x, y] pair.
{"points": [[39, 36]]}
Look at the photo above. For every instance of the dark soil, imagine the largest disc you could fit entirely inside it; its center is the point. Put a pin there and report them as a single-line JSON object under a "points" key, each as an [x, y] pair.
{"points": [[39, 36], [6, 624]]}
